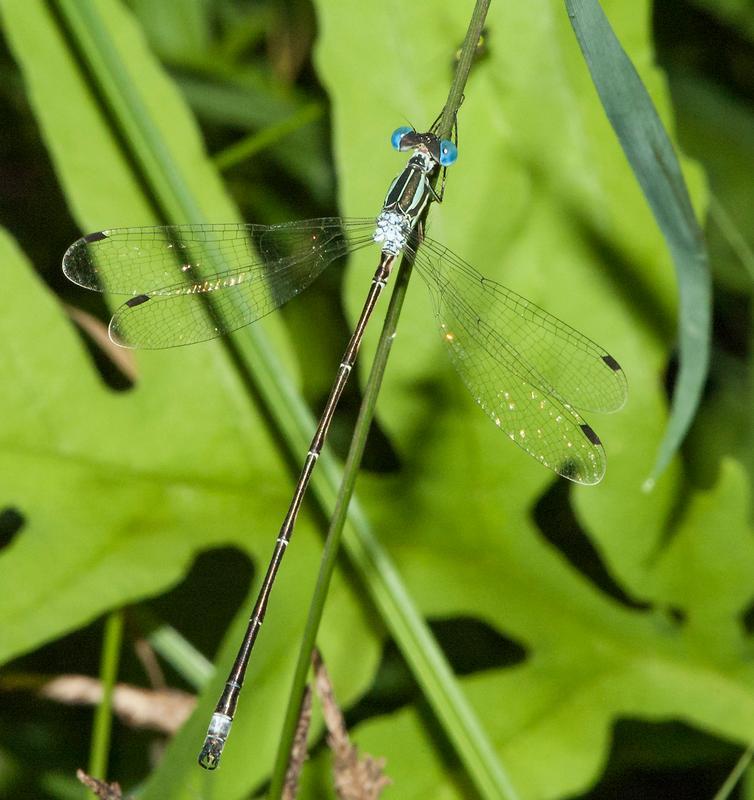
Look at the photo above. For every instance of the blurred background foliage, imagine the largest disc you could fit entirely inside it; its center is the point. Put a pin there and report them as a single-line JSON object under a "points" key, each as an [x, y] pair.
{"points": [[273, 116]]}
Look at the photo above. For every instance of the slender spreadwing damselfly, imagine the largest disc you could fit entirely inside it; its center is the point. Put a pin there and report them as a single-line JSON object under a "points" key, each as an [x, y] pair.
{"points": [[531, 373]]}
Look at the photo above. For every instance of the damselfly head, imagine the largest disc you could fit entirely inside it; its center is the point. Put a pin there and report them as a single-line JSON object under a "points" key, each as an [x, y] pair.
{"points": [[443, 151]]}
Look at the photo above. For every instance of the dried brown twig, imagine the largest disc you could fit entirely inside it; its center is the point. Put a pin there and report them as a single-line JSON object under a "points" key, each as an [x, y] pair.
{"points": [[355, 778], [162, 710], [299, 750], [103, 790]]}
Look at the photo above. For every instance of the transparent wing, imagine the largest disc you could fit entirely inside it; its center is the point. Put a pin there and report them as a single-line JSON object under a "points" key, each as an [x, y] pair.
{"points": [[190, 283], [517, 361], [553, 356]]}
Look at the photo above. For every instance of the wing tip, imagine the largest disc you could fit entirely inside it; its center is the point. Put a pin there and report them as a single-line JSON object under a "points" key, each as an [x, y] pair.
{"points": [[584, 475], [587, 470], [77, 265], [116, 333]]}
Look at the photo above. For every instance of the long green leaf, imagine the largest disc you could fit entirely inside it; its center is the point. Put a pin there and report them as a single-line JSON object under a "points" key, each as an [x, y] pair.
{"points": [[650, 152]]}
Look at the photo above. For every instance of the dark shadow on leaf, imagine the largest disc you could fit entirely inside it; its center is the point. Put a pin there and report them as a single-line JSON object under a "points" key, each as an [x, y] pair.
{"points": [[668, 760], [214, 587], [678, 615], [555, 519], [628, 281], [470, 646], [11, 522], [747, 620]]}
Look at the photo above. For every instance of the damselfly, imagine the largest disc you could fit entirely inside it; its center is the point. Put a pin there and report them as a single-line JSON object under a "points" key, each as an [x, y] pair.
{"points": [[529, 371]]}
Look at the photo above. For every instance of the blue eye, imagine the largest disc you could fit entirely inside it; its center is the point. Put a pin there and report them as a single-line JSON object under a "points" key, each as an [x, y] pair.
{"points": [[448, 153], [398, 134]]}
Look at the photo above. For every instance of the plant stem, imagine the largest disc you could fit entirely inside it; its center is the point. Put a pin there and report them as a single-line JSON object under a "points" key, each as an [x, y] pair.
{"points": [[735, 776], [103, 717], [259, 140], [465, 61], [410, 631]]}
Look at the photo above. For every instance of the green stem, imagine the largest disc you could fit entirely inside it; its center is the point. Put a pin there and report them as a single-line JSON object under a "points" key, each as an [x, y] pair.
{"points": [[735, 775], [465, 62], [174, 648], [417, 644], [259, 140], [103, 717]]}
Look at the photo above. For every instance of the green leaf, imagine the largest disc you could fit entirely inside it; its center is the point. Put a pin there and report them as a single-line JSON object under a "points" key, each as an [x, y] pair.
{"points": [[117, 499], [177, 31], [725, 148], [650, 152]]}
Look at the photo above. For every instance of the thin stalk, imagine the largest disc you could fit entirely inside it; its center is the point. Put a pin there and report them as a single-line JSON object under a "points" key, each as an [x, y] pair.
{"points": [[463, 68], [419, 647], [260, 140], [747, 785], [175, 649], [103, 717], [732, 235], [736, 774]]}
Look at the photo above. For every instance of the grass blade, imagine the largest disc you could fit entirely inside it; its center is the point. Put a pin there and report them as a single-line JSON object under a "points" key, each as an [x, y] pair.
{"points": [[653, 160], [103, 717]]}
